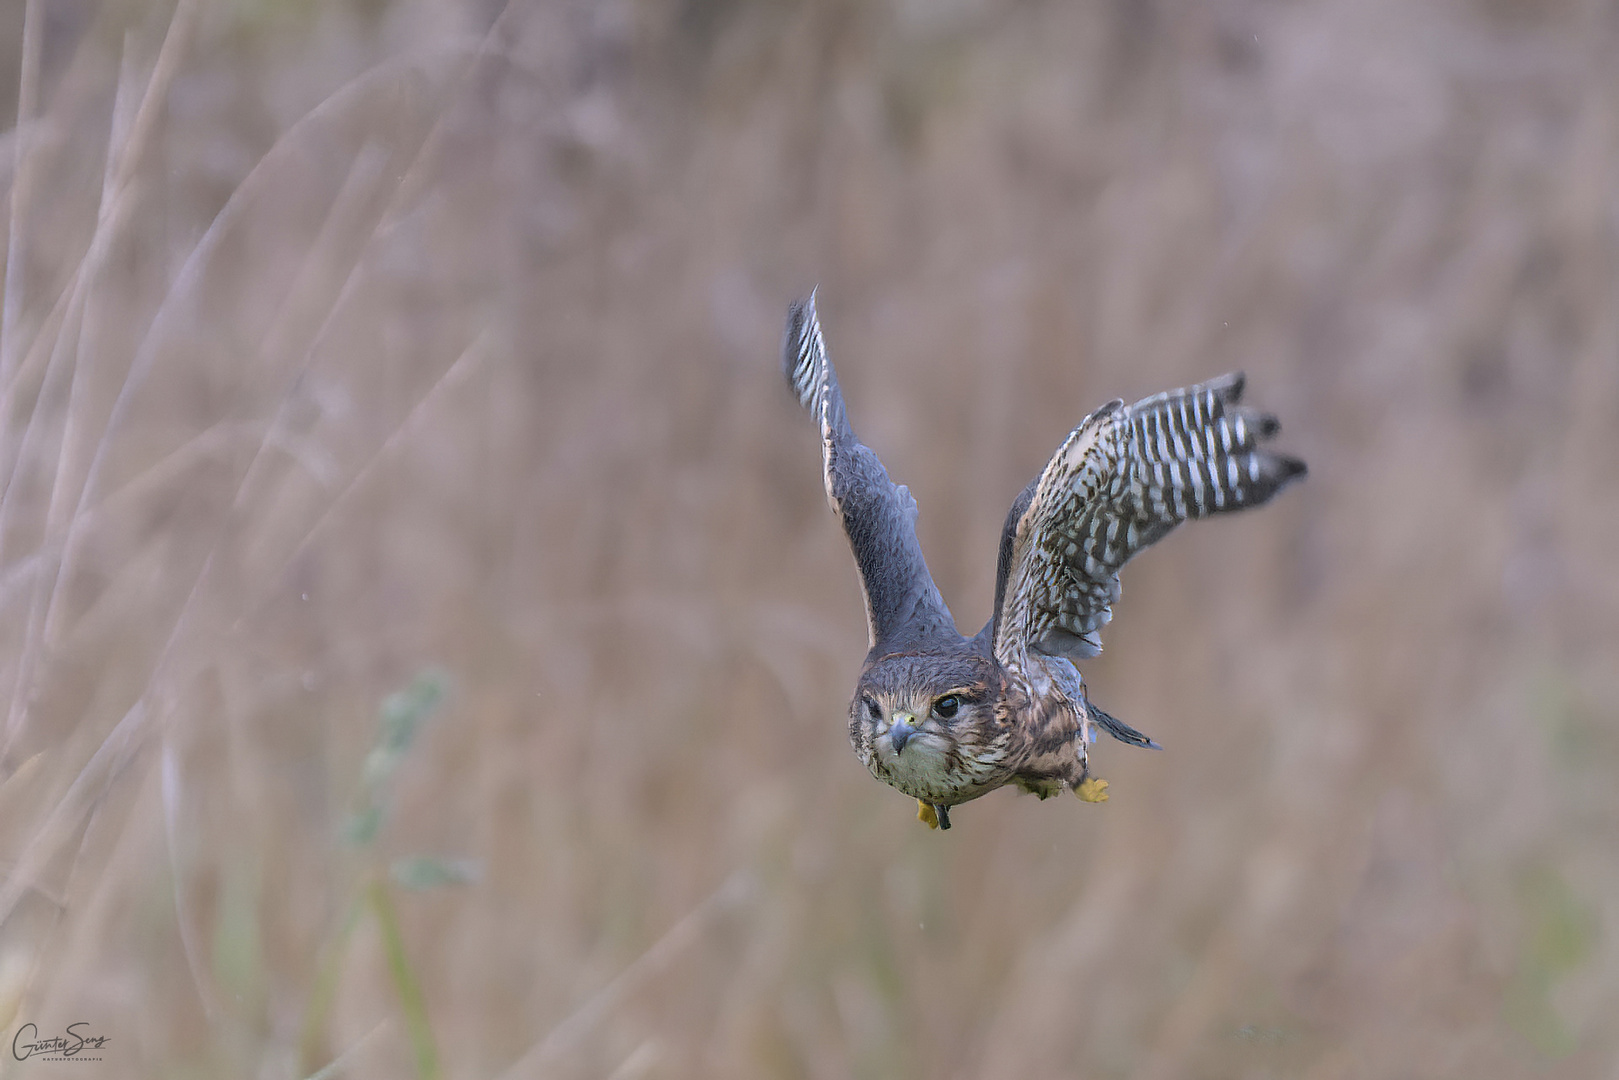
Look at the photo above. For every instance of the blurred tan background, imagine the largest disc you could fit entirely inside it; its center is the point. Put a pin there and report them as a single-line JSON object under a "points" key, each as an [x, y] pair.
{"points": [[361, 346]]}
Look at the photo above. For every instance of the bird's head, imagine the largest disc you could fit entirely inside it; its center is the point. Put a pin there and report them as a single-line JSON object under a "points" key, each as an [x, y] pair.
{"points": [[913, 714]]}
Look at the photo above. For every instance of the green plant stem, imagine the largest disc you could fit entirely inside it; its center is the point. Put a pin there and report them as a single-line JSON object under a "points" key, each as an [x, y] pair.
{"points": [[325, 990], [411, 1000]]}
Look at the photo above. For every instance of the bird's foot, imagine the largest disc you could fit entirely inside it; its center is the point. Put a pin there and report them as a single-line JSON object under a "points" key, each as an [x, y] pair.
{"points": [[925, 814], [1092, 790]]}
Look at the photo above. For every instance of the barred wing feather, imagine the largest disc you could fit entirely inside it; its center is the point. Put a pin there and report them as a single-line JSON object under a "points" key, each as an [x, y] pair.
{"points": [[903, 605], [1122, 479]]}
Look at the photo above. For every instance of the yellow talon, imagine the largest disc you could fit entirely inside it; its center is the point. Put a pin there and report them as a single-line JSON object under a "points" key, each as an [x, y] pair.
{"points": [[925, 814], [1092, 790]]}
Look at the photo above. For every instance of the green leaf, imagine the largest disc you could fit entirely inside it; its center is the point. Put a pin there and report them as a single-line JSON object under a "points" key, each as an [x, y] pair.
{"points": [[362, 826], [1560, 934], [421, 872], [404, 712], [400, 719]]}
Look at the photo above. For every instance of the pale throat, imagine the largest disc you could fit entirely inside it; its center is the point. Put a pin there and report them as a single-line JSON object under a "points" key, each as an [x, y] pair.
{"points": [[922, 768]]}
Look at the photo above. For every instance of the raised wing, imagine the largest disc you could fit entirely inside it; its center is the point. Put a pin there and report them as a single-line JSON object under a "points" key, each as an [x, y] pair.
{"points": [[903, 605], [1123, 478]]}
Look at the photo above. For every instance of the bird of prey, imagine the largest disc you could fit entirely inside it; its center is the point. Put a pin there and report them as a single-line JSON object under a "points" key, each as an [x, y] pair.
{"points": [[947, 718]]}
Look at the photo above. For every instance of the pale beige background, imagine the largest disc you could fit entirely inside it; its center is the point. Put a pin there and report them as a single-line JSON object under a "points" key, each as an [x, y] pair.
{"points": [[394, 337]]}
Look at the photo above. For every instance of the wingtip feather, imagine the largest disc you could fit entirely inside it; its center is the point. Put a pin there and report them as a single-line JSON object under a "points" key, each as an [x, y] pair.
{"points": [[801, 349]]}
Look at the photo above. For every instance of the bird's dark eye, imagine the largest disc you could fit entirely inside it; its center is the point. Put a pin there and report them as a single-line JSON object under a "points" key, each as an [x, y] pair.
{"points": [[946, 706], [871, 707]]}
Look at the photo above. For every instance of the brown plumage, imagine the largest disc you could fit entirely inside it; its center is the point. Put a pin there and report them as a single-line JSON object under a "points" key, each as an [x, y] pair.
{"points": [[946, 718]]}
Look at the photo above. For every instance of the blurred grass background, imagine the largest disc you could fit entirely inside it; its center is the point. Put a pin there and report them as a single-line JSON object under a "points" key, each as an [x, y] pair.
{"points": [[348, 341]]}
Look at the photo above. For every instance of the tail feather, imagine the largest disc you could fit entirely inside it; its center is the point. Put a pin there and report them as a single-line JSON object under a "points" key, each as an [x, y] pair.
{"points": [[1119, 729]]}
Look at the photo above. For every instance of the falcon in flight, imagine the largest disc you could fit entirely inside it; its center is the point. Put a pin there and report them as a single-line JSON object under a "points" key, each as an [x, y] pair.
{"points": [[946, 718]]}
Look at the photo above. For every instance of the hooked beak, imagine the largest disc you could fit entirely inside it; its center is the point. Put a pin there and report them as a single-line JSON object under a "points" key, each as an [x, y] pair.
{"points": [[901, 730]]}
